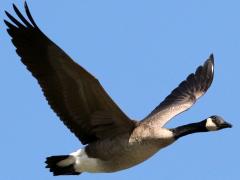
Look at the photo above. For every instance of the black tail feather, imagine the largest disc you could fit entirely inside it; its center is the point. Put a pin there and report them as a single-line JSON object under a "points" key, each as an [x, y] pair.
{"points": [[59, 170]]}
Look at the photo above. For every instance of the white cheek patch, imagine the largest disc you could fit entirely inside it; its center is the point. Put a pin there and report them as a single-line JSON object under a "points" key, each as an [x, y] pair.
{"points": [[210, 125]]}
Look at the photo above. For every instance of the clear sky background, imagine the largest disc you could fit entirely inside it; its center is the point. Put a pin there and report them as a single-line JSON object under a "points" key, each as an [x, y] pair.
{"points": [[139, 50]]}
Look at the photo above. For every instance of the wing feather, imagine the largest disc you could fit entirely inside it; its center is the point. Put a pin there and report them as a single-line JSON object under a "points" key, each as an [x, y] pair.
{"points": [[184, 96], [73, 93]]}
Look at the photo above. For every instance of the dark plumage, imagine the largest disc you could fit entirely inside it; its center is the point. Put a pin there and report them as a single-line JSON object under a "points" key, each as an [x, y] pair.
{"points": [[74, 94], [53, 167], [113, 140]]}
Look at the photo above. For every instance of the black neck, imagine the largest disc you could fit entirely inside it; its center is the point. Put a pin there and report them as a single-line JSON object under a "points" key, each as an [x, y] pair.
{"points": [[189, 129]]}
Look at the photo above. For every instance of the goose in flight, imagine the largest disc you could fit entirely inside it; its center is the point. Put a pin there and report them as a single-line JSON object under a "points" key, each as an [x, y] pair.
{"points": [[112, 140]]}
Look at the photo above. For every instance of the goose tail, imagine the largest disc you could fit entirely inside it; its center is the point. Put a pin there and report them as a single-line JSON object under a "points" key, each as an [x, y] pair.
{"points": [[61, 165]]}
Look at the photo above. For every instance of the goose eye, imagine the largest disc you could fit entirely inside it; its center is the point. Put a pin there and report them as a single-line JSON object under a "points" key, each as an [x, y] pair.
{"points": [[218, 121]]}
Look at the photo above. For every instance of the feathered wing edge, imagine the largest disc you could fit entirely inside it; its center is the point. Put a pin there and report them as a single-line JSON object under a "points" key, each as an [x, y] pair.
{"points": [[75, 95], [185, 95]]}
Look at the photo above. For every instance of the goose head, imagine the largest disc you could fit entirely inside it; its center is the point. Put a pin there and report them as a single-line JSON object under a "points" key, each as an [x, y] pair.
{"points": [[214, 123]]}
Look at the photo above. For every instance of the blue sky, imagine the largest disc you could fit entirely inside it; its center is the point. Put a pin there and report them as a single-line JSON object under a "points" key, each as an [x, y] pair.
{"points": [[139, 50]]}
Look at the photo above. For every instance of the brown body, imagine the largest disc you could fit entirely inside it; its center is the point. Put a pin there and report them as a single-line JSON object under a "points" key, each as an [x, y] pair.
{"points": [[129, 149]]}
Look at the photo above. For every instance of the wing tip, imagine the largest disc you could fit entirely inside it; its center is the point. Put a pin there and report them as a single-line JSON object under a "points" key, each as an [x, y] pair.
{"points": [[208, 72], [210, 60], [27, 23], [7, 13], [8, 24], [14, 6], [209, 64], [29, 15]]}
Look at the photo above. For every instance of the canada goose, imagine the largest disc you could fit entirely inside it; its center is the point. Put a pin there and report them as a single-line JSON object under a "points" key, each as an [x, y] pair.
{"points": [[113, 141]]}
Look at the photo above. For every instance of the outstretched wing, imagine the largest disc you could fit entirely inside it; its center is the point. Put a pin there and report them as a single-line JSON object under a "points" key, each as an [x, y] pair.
{"points": [[73, 93], [184, 96]]}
